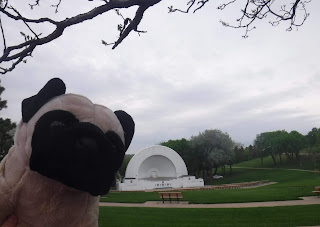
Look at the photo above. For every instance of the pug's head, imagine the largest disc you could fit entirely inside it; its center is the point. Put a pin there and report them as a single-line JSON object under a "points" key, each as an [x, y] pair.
{"points": [[74, 141]]}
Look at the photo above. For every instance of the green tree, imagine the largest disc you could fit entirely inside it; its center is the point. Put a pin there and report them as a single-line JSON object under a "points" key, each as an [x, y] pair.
{"points": [[240, 154], [262, 146], [214, 148], [298, 142], [279, 142], [122, 170], [183, 148], [311, 138], [6, 129], [252, 152], [3, 103]]}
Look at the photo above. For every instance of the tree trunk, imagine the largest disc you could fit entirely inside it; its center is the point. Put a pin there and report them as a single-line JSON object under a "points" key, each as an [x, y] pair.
{"points": [[274, 160], [261, 158], [280, 158], [230, 169], [215, 171]]}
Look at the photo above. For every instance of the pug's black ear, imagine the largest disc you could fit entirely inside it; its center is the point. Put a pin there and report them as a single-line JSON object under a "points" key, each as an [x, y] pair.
{"points": [[127, 125], [30, 106]]}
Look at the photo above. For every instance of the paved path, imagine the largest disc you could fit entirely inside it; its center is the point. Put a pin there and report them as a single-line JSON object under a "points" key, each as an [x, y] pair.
{"points": [[304, 201]]}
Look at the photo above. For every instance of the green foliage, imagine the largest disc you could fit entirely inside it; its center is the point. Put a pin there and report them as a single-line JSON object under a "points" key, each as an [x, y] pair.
{"points": [[3, 103], [279, 142], [260, 216], [124, 165], [215, 149], [6, 129], [183, 148], [241, 154], [312, 137], [6, 136], [211, 148], [313, 141]]}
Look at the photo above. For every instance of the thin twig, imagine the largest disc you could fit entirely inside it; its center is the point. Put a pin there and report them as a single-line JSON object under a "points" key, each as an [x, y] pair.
{"points": [[16, 11], [3, 36], [57, 6]]}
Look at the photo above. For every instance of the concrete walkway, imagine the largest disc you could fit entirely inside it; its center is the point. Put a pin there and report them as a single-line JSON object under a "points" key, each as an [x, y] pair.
{"points": [[304, 201]]}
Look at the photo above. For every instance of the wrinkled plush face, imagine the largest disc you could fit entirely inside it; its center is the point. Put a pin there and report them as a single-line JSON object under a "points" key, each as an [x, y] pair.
{"points": [[75, 151], [76, 142]]}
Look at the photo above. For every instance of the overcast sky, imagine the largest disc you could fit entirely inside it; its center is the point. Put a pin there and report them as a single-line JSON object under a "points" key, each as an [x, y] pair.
{"points": [[187, 74]]}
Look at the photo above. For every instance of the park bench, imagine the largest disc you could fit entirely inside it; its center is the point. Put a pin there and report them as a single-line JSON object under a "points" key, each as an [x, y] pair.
{"points": [[170, 196], [317, 190]]}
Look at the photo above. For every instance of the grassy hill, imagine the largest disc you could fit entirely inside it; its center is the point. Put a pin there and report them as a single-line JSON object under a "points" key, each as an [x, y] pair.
{"points": [[305, 161]]}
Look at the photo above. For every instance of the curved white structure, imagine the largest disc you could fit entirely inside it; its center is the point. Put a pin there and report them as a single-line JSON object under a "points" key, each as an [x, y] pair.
{"points": [[157, 167]]}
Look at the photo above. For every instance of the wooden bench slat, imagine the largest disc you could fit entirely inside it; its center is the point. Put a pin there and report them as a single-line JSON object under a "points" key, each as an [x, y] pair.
{"points": [[170, 196], [317, 190]]}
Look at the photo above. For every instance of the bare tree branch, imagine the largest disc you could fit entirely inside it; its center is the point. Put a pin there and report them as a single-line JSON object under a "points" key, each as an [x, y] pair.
{"points": [[260, 9], [221, 7], [3, 36], [190, 4], [133, 25], [41, 20], [17, 53], [294, 13]]}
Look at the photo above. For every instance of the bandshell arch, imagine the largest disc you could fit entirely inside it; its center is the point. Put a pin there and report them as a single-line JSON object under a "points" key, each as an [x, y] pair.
{"points": [[157, 167], [163, 155]]}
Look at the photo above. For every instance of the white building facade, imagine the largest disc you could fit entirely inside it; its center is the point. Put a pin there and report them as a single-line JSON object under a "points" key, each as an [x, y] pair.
{"points": [[157, 167]]}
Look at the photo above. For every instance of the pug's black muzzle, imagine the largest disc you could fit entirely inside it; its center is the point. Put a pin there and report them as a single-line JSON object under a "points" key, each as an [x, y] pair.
{"points": [[77, 154]]}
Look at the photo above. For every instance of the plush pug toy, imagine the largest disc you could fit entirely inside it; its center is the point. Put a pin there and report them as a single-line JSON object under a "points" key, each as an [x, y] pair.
{"points": [[65, 154]]}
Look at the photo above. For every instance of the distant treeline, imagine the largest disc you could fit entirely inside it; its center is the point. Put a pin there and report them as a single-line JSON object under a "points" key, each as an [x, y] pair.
{"points": [[212, 149]]}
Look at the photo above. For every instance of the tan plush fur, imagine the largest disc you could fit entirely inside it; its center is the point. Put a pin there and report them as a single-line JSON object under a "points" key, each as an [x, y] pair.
{"points": [[38, 200]]}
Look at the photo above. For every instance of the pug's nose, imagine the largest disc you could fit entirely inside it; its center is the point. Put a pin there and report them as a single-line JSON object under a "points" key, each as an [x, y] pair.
{"points": [[86, 144]]}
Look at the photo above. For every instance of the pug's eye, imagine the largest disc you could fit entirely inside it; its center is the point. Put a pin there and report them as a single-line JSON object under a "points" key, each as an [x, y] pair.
{"points": [[56, 124]]}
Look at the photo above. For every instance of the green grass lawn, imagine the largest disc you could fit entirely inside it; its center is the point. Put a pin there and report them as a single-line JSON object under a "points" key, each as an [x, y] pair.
{"points": [[291, 185], [262, 216]]}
